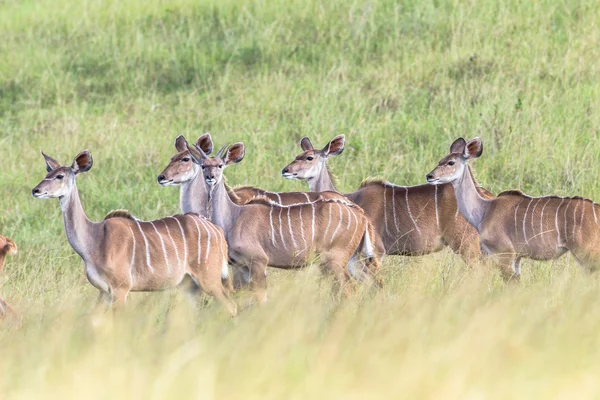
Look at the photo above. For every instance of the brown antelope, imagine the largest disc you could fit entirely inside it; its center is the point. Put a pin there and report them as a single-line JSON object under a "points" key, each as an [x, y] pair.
{"points": [[182, 172], [123, 254], [514, 225], [266, 233], [7, 246], [411, 220]]}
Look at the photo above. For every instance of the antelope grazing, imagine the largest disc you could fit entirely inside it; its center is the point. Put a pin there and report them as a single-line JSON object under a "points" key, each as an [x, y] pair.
{"points": [[182, 172], [7, 246], [514, 225], [411, 220], [265, 233], [123, 254]]}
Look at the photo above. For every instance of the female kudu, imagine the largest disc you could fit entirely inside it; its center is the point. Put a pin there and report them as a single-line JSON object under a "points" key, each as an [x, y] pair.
{"points": [[411, 220], [514, 225], [123, 254], [266, 233], [7, 246]]}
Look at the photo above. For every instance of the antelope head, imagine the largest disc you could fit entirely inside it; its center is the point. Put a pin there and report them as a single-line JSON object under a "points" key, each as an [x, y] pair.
{"points": [[182, 168], [7, 246], [212, 167], [60, 180], [452, 167], [310, 163]]}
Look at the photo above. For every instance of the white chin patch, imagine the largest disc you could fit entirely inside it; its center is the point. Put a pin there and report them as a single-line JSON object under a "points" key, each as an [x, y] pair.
{"points": [[289, 176], [211, 182]]}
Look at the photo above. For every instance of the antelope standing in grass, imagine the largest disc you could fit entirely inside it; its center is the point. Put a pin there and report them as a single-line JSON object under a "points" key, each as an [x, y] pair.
{"points": [[182, 172], [411, 220], [266, 233], [124, 254], [514, 225], [194, 195], [7, 246]]}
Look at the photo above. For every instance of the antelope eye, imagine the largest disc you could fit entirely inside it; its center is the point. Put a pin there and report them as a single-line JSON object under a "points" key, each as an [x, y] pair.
{"points": [[310, 158], [185, 159], [221, 166], [451, 162], [203, 167], [59, 177]]}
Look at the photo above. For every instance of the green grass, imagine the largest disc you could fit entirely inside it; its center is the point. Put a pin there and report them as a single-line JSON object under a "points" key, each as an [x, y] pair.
{"points": [[402, 80]]}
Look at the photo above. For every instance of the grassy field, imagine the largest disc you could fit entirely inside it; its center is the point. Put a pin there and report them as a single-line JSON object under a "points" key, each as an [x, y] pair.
{"points": [[402, 80]]}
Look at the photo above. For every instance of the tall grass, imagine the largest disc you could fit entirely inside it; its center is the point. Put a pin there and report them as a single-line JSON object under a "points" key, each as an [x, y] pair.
{"points": [[401, 80]]}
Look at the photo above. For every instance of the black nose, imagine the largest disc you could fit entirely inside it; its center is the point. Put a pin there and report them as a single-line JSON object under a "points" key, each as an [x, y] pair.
{"points": [[429, 176], [160, 178], [285, 171], [35, 191], [210, 176]]}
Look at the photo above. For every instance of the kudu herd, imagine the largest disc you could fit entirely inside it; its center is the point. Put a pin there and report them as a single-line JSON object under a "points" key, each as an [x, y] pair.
{"points": [[346, 235]]}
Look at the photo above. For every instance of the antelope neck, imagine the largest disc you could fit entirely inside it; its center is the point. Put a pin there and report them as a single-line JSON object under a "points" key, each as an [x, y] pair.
{"points": [[82, 233], [470, 203]]}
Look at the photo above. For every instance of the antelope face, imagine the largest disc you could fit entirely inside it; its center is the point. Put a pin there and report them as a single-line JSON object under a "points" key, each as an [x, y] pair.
{"points": [[7, 246], [180, 170], [212, 170], [449, 169], [306, 166], [58, 183], [60, 180]]}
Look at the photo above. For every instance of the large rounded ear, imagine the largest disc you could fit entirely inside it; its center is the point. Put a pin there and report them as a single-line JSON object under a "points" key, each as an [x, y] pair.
{"points": [[10, 246], [51, 163], [335, 146], [235, 153], [458, 146], [196, 153], [83, 162], [474, 149], [180, 143], [306, 144], [205, 143]]}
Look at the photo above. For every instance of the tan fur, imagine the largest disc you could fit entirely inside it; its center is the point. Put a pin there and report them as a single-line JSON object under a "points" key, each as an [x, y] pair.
{"points": [[410, 220], [514, 225], [123, 254], [7, 246]]}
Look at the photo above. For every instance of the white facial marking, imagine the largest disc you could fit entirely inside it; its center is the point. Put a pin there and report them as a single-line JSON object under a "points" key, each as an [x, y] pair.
{"points": [[164, 248]]}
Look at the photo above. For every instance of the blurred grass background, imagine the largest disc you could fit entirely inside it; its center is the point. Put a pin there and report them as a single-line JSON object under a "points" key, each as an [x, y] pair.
{"points": [[401, 80]]}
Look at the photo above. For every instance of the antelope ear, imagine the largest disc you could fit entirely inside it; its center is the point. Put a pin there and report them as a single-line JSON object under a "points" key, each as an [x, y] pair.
{"points": [[180, 143], [196, 153], [335, 146], [458, 146], [83, 162], [306, 144], [205, 143], [51, 163], [10, 246], [473, 149], [235, 153]]}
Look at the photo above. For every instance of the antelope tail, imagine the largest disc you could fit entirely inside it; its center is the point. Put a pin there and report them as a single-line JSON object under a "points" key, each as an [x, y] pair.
{"points": [[371, 259], [225, 279]]}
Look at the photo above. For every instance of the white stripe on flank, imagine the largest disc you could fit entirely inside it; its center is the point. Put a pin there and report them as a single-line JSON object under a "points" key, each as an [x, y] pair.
{"points": [[533, 217], [278, 198], [457, 211], [307, 197], [194, 217], [582, 213], [394, 209], [349, 219], [356, 223], [542, 218], [329, 222], [410, 213], [339, 223], [132, 263], [280, 228], [516, 209], [162, 242], [556, 222], [312, 206], [566, 209], [525, 220], [173, 243], [302, 228], [185, 248], [594, 210], [204, 222], [272, 227], [575, 219], [290, 229], [147, 248], [385, 211], [437, 214]]}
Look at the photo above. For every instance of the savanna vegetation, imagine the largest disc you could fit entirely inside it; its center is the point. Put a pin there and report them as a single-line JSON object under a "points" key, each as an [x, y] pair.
{"points": [[402, 80]]}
